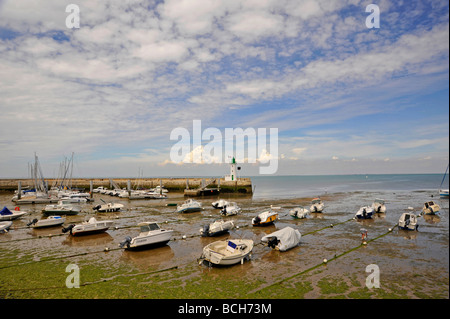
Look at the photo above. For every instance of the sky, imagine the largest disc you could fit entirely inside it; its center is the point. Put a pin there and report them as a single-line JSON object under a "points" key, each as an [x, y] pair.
{"points": [[345, 98]]}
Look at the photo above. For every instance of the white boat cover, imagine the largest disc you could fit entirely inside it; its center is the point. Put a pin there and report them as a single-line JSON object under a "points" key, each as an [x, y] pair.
{"points": [[287, 237]]}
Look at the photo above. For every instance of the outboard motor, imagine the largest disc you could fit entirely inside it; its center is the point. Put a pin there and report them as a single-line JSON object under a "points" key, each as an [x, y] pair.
{"points": [[68, 229], [34, 221], [273, 242], [97, 207], [256, 220], [126, 242], [205, 231]]}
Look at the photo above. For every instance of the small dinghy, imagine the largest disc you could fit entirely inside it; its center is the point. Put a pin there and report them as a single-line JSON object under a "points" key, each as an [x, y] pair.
{"points": [[227, 252], [51, 221], [317, 205], [430, 208], [299, 212], [265, 218], [219, 204], [365, 212], [283, 239], [6, 214], [408, 221], [150, 235], [230, 209], [108, 207], [189, 206], [92, 226], [4, 226], [216, 228], [61, 208], [379, 206]]}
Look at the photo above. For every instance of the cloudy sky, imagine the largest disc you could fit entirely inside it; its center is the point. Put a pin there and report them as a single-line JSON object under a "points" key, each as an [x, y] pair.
{"points": [[346, 99]]}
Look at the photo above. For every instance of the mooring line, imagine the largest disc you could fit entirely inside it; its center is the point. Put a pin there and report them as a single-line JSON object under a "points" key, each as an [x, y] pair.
{"points": [[324, 262]]}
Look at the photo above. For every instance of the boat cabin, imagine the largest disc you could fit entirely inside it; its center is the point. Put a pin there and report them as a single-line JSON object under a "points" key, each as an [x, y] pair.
{"points": [[148, 226]]}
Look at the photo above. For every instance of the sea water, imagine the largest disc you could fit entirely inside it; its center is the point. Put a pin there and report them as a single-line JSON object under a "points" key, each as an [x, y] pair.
{"points": [[278, 187]]}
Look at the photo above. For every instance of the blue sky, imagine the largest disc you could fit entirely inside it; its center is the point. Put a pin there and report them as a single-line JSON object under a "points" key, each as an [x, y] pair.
{"points": [[345, 99]]}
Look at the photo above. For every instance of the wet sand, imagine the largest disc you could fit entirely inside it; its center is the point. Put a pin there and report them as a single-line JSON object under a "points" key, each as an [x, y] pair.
{"points": [[412, 264]]}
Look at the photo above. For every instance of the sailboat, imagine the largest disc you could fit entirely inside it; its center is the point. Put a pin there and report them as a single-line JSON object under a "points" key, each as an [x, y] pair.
{"points": [[443, 192]]}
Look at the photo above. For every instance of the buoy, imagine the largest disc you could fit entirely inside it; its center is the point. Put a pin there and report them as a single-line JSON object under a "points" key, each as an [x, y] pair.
{"points": [[325, 261], [364, 243], [106, 249], [184, 237], [237, 227], [331, 225], [390, 229]]}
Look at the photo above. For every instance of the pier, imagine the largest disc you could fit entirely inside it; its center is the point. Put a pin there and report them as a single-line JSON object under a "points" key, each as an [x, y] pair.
{"points": [[188, 185]]}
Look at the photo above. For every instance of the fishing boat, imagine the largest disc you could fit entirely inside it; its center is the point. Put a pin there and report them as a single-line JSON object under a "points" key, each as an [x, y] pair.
{"points": [[150, 235], [379, 206], [51, 221], [430, 208], [108, 207], [283, 239], [227, 252], [61, 208], [299, 212], [92, 226], [216, 228], [219, 204], [317, 205], [265, 218], [4, 226], [365, 212], [6, 214], [189, 206], [230, 209], [408, 221]]}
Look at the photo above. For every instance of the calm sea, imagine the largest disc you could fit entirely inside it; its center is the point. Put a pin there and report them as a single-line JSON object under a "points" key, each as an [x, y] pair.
{"points": [[274, 187]]}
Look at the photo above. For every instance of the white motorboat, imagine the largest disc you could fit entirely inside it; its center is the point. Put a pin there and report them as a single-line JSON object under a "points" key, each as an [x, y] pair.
{"points": [[6, 214], [444, 193], [365, 212], [92, 226], [219, 204], [408, 221], [299, 212], [430, 208], [379, 206], [230, 209], [98, 189], [265, 218], [228, 252], [150, 235], [51, 221], [189, 206], [317, 205], [61, 208], [216, 228], [4, 226], [74, 197], [159, 189], [108, 207], [282, 239]]}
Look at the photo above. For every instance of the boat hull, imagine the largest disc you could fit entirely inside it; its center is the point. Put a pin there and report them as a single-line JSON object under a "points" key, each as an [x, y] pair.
{"points": [[217, 255], [88, 229], [44, 223]]}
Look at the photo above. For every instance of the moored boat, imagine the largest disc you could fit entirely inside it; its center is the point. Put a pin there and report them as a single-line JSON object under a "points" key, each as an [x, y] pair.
{"points": [[230, 209], [408, 221], [150, 235], [365, 212], [51, 221], [265, 218], [299, 212], [227, 252], [5, 225], [189, 206], [317, 205], [6, 214], [379, 206], [430, 208], [219, 204], [92, 226], [108, 207], [61, 208], [216, 228], [283, 239]]}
